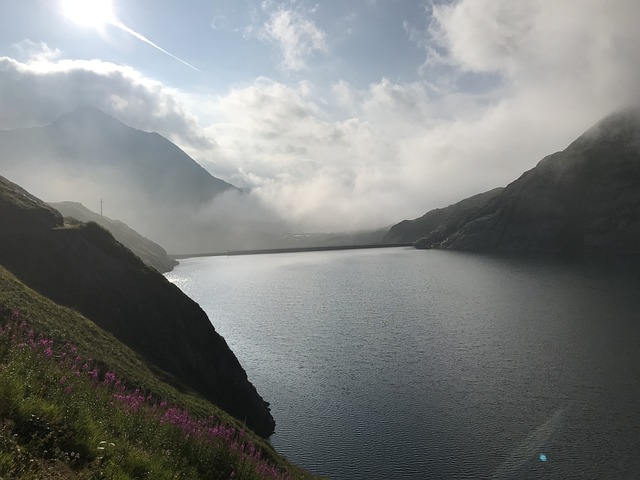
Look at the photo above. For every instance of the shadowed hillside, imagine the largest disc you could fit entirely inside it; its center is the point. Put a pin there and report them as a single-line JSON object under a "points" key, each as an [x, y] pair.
{"points": [[75, 403], [583, 200], [439, 223], [83, 267], [149, 252]]}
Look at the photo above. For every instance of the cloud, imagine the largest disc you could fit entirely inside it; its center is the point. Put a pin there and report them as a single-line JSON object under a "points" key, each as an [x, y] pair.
{"points": [[38, 51], [543, 71], [220, 22], [324, 173], [504, 84], [484, 35], [286, 25], [265, 130], [297, 37], [591, 44], [39, 90]]}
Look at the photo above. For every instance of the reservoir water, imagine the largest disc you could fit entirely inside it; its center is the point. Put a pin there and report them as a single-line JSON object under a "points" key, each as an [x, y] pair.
{"points": [[399, 363]]}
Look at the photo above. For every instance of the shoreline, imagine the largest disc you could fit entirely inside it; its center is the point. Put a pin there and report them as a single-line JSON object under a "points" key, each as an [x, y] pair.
{"points": [[288, 250]]}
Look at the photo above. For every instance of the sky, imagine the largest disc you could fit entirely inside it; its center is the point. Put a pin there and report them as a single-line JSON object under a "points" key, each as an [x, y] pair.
{"points": [[337, 114]]}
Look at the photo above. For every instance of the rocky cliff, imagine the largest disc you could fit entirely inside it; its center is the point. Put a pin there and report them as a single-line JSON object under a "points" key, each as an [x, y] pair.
{"points": [[83, 267]]}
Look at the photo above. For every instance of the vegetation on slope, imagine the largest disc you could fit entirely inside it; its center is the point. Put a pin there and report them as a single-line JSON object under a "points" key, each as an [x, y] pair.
{"points": [[64, 413], [436, 225], [84, 267], [149, 252]]}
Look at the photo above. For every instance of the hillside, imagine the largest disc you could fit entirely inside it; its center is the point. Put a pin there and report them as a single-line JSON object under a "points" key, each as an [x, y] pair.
{"points": [[582, 200], [585, 199], [439, 223], [77, 403], [149, 252], [84, 267]]}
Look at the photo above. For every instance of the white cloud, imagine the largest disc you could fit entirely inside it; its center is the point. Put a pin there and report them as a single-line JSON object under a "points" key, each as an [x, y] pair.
{"points": [[219, 22], [484, 35], [297, 37], [554, 68], [38, 91], [319, 172], [588, 44], [36, 51]]}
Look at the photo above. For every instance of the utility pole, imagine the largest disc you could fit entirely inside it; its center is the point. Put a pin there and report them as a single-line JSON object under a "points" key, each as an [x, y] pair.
{"points": [[101, 202]]}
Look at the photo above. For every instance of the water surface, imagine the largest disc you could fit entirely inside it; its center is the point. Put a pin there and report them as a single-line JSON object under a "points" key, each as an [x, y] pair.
{"points": [[399, 363]]}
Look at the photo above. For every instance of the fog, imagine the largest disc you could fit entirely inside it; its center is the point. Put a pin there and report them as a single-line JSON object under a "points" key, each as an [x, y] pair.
{"points": [[61, 164]]}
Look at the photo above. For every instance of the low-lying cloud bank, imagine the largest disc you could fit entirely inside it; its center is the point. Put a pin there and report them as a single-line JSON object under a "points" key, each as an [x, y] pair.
{"points": [[337, 157]]}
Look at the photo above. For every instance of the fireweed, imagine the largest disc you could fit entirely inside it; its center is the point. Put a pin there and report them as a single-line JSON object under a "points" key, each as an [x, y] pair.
{"points": [[123, 428]]}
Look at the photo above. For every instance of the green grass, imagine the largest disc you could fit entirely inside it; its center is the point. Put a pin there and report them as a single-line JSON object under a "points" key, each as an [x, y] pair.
{"points": [[76, 403]]}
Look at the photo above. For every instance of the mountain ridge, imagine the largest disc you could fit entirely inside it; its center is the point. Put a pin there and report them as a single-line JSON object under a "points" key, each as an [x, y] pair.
{"points": [[584, 199], [145, 180], [439, 222], [149, 252]]}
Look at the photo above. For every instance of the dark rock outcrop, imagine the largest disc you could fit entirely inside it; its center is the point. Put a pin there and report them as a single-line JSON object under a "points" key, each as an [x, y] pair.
{"points": [[83, 267], [585, 199], [436, 225], [149, 252]]}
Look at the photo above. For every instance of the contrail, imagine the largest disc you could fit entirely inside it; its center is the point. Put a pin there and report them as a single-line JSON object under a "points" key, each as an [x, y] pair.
{"points": [[124, 28]]}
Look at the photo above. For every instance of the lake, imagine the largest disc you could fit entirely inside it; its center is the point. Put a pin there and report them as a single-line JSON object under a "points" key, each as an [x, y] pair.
{"points": [[400, 363]]}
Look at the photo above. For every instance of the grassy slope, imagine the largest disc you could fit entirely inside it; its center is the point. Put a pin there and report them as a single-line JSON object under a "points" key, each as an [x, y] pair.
{"points": [[64, 325], [83, 267], [149, 252]]}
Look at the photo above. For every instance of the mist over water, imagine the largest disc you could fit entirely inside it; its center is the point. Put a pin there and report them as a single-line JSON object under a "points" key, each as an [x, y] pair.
{"points": [[399, 363]]}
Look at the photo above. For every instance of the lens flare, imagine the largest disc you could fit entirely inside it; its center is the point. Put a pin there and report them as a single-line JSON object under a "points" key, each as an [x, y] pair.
{"points": [[89, 13], [96, 13]]}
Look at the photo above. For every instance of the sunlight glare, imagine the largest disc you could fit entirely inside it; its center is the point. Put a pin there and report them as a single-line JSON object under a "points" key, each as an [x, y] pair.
{"points": [[90, 13]]}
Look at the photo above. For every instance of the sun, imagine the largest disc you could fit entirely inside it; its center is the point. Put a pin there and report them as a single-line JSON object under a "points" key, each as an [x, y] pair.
{"points": [[89, 13]]}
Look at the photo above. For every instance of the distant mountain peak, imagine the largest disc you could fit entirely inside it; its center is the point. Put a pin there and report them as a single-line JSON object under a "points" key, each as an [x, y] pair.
{"points": [[87, 116], [147, 180]]}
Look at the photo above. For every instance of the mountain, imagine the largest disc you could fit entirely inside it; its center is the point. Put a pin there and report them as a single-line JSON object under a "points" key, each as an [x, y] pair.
{"points": [[84, 267], [149, 252], [86, 155], [582, 200], [439, 223], [91, 143]]}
